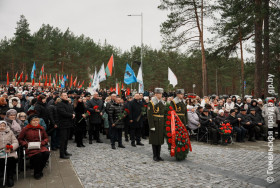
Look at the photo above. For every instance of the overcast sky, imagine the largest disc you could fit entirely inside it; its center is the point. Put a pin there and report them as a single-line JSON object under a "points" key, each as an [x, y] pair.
{"points": [[97, 19]]}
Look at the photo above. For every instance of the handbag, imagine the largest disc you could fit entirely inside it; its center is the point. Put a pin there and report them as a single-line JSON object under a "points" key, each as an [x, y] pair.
{"points": [[35, 145]]}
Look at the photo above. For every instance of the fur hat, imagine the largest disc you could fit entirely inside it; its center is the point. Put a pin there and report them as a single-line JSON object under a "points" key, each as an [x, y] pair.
{"points": [[11, 112], [159, 90], [180, 91]]}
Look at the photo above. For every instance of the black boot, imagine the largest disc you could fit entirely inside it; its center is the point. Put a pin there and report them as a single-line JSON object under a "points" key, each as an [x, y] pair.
{"points": [[133, 144], [10, 181], [113, 147], [68, 154], [158, 153], [140, 143], [155, 153]]}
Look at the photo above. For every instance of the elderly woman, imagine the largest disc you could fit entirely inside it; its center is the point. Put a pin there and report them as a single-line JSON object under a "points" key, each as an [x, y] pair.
{"points": [[220, 118], [34, 132], [22, 117], [8, 144], [193, 119], [13, 122]]}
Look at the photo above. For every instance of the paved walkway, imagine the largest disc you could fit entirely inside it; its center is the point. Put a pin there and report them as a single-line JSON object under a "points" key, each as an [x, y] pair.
{"points": [[236, 165], [62, 175]]}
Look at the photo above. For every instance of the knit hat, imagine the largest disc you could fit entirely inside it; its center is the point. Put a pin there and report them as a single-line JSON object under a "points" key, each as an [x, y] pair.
{"points": [[11, 112], [221, 111], [3, 122], [32, 117]]}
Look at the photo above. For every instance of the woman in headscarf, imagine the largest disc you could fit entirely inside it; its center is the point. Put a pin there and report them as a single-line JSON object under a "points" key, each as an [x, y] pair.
{"points": [[13, 122], [9, 145]]}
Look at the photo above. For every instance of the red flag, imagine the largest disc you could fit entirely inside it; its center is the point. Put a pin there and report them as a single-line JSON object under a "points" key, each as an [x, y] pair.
{"points": [[26, 77], [89, 84], [122, 85], [50, 79], [71, 82], [111, 89], [46, 80], [33, 82], [81, 84], [109, 67], [8, 82], [20, 78], [75, 82], [128, 91], [16, 78]]}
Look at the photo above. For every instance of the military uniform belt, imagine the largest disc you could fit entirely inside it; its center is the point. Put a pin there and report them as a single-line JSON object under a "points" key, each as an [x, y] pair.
{"points": [[158, 115], [180, 114]]}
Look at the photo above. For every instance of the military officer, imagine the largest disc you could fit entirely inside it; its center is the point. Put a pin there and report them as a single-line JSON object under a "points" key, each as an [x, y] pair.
{"points": [[179, 105], [155, 114]]}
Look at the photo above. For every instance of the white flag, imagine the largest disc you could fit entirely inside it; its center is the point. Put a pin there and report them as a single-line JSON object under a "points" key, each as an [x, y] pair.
{"points": [[101, 74], [172, 78], [95, 81], [140, 80]]}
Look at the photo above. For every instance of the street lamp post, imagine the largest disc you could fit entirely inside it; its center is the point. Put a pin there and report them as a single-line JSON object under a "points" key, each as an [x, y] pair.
{"points": [[141, 36]]}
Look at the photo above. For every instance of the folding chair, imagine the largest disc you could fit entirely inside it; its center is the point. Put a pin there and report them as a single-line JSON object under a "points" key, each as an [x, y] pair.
{"points": [[24, 160], [204, 135]]}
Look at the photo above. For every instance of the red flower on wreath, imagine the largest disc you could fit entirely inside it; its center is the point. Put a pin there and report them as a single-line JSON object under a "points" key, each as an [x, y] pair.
{"points": [[183, 149], [170, 108], [168, 122], [176, 127], [179, 139], [169, 112], [184, 136], [186, 146], [183, 140], [169, 134], [95, 107], [167, 129], [168, 117], [178, 150], [145, 106], [170, 140]]}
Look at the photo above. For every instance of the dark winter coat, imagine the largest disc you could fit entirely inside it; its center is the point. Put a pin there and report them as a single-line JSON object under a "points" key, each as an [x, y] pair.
{"points": [[155, 114], [42, 111], [31, 134], [244, 119], [115, 111], [135, 112], [80, 109], [219, 119], [256, 119], [65, 114], [205, 121], [95, 117], [233, 121]]}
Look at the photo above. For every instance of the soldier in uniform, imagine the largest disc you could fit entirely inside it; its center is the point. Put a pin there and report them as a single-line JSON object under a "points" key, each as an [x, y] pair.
{"points": [[155, 114], [178, 104]]}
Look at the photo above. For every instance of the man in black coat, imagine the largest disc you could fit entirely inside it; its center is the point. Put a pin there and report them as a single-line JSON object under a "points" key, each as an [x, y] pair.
{"points": [[207, 123], [95, 107], [108, 105], [235, 122], [247, 124], [126, 119], [257, 121], [135, 116], [65, 115]]}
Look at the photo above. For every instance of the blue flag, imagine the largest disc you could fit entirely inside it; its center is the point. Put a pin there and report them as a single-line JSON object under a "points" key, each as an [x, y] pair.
{"points": [[63, 81], [129, 76], [33, 71]]}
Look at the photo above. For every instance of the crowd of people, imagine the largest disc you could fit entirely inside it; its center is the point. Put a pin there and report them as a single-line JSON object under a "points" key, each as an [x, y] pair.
{"points": [[31, 115]]}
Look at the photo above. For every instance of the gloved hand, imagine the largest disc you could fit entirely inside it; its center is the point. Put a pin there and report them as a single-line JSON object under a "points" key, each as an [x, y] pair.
{"points": [[153, 129]]}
